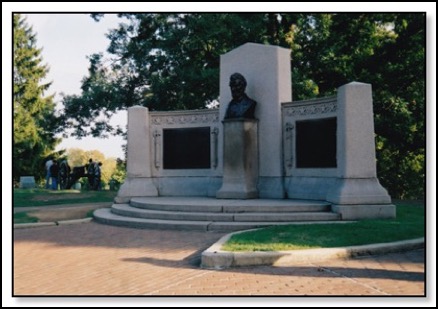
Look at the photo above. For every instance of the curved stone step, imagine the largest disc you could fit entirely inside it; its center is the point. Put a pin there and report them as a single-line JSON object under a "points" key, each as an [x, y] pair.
{"points": [[286, 217], [105, 215], [128, 211], [205, 204]]}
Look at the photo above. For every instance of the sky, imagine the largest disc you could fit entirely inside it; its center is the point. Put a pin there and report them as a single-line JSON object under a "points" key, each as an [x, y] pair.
{"points": [[66, 41]]}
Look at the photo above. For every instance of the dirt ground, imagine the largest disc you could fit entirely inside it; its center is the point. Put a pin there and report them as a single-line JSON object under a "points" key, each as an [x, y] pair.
{"points": [[54, 197]]}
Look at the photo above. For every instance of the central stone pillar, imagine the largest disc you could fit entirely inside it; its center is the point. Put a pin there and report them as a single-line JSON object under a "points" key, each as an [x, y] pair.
{"points": [[241, 170], [267, 70]]}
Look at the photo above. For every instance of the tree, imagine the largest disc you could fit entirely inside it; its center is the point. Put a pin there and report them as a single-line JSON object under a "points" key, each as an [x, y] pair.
{"points": [[109, 167], [171, 61], [400, 108], [119, 174], [35, 123], [80, 157], [387, 51], [76, 157], [161, 61]]}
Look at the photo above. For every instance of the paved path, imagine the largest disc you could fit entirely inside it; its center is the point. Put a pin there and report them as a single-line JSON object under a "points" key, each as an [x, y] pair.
{"points": [[95, 259]]}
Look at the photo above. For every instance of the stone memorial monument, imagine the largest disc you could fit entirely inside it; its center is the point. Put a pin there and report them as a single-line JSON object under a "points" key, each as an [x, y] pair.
{"points": [[269, 147]]}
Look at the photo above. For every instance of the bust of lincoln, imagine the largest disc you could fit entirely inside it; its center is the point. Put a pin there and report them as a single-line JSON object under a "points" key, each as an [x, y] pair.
{"points": [[241, 106]]}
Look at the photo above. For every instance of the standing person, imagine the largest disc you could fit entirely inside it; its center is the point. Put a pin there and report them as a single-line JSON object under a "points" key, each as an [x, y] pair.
{"points": [[54, 172], [48, 165], [97, 176], [90, 174]]}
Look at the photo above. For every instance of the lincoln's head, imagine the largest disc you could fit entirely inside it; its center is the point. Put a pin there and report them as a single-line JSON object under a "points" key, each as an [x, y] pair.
{"points": [[237, 86]]}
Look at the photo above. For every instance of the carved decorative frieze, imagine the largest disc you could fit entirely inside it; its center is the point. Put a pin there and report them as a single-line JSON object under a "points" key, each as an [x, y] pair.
{"points": [[310, 107], [314, 109], [180, 118]]}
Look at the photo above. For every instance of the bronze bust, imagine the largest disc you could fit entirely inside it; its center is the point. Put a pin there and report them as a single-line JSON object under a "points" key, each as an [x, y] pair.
{"points": [[241, 106]]}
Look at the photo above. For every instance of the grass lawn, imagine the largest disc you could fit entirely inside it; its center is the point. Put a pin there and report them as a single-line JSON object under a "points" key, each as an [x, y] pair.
{"points": [[409, 224], [23, 217], [43, 197]]}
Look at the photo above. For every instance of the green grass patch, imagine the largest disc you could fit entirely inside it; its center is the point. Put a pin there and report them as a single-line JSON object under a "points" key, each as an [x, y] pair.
{"points": [[90, 213], [43, 197], [408, 224], [23, 217]]}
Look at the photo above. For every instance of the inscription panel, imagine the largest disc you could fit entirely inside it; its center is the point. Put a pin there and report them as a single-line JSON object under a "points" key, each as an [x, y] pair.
{"points": [[316, 143], [186, 148]]}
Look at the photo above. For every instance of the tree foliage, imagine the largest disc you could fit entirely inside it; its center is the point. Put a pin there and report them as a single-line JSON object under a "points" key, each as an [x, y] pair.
{"points": [[35, 122], [80, 157], [119, 174], [387, 51], [162, 61], [400, 105], [171, 61]]}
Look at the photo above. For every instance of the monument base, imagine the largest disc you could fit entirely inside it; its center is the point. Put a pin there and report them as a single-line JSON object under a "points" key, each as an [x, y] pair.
{"points": [[358, 191], [271, 187], [240, 160], [231, 191], [356, 212], [309, 188], [360, 198], [135, 187]]}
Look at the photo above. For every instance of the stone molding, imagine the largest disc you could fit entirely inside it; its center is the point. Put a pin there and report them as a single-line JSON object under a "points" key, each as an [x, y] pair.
{"points": [[207, 116], [310, 107]]}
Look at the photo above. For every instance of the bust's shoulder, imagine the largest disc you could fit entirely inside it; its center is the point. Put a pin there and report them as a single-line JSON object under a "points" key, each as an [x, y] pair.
{"points": [[248, 100]]}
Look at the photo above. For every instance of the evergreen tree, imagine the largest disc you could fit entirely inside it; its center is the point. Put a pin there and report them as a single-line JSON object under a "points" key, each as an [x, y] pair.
{"points": [[34, 121]]}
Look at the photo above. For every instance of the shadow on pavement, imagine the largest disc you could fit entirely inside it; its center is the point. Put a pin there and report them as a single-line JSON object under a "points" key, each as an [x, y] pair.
{"points": [[193, 261]]}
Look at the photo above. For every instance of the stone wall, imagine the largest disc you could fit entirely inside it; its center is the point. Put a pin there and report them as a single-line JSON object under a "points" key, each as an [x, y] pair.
{"points": [[202, 181], [340, 163]]}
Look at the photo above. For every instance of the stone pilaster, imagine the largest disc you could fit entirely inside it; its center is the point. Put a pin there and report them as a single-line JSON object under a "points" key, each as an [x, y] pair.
{"points": [[138, 181], [357, 192]]}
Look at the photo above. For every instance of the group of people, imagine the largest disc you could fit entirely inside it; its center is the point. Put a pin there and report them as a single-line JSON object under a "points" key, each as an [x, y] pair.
{"points": [[55, 173]]}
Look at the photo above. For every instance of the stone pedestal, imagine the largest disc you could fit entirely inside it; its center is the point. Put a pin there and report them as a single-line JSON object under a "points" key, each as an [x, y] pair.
{"points": [[240, 160]]}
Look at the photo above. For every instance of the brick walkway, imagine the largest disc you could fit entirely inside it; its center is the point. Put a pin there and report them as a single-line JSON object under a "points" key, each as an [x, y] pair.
{"points": [[94, 259]]}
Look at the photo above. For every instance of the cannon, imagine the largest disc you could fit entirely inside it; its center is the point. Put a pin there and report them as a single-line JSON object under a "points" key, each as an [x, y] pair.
{"points": [[68, 178]]}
